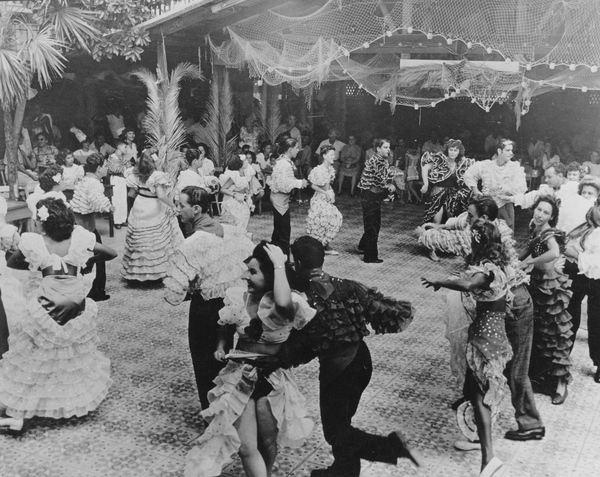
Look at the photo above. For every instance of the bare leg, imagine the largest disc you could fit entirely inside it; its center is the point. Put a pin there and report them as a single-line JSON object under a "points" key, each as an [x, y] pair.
{"points": [[247, 428], [437, 218], [483, 419], [340, 183], [267, 433], [352, 184]]}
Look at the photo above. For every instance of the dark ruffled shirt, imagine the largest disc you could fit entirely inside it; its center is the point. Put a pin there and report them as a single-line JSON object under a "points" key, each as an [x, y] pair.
{"points": [[344, 308], [538, 245], [377, 173]]}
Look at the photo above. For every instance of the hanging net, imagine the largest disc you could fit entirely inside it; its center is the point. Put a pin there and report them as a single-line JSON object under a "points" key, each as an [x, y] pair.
{"points": [[541, 44]]}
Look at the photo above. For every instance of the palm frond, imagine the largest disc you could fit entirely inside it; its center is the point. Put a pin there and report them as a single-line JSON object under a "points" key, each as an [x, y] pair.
{"points": [[14, 79], [273, 126], [225, 115], [43, 52], [154, 103], [211, 119], [72, 25]]}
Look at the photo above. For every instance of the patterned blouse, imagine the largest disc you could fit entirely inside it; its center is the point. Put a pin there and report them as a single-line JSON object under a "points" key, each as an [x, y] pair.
{"points": [[442, 171], [377, 173], [538, 244], [283, 179]]}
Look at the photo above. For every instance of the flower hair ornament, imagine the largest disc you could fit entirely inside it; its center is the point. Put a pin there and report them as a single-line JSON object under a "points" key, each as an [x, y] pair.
{"points": [[476, 235], [42, 213], [57, 178]]}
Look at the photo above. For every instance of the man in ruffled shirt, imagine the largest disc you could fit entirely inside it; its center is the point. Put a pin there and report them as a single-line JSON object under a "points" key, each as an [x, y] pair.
{"points": [[88, 200], [210, 261], [572, 208], [499, 176], [336, 337], [375, 183]]}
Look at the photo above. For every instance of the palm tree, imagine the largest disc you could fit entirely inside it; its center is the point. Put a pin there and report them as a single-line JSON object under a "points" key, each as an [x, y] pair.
{"points": [[165, 129], [32, 45]]}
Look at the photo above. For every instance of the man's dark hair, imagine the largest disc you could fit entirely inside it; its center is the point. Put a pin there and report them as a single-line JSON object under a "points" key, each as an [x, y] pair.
{"points": [[309, 252], [558, 167], [485, 205], [198, 196]]}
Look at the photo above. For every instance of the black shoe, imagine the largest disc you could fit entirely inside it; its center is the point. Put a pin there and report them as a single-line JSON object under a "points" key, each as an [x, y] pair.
{"points": [[118, 226], [377, 260], [400, 445], [454, 406], [597, 375], [103, 297], [536, 434]]}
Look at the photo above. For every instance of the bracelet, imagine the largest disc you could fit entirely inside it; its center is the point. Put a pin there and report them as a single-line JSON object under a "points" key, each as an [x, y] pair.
{"points": [[279, 267]]}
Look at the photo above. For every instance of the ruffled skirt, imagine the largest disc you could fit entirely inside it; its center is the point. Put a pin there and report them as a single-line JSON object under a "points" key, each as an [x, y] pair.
{"points": [[552, 333], [51, 370], [456, 242], [153, 235], [488, 351], [234, 212], [220, 442], [454, 201], [459, 310], [324, 219]]}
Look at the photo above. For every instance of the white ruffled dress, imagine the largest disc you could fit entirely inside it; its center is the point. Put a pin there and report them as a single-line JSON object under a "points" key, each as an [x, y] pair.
{"points": [[324, 219], [216, 448], [153, 234], [52, 370], [13, 298], [234, 211]]}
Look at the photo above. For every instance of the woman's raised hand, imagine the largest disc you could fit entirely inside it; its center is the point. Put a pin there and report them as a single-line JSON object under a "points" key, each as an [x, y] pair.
{"points": [[430, 284], [278, 258]]}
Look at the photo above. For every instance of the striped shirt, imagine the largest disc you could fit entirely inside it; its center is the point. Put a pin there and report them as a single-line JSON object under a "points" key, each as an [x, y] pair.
{"points": [[89, 197], [377, 173]]}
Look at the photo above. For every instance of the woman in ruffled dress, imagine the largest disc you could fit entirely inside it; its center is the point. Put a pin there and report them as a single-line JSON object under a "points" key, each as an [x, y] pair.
{"points": [[53, 368], [324, 219], [235, 187], [252, 413], [444, 172], [153, 234], [488, 348], [550, 290]]}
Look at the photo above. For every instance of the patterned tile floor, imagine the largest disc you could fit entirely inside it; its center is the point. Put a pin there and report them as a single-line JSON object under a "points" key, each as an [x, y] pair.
{"points": [[149, 420]]}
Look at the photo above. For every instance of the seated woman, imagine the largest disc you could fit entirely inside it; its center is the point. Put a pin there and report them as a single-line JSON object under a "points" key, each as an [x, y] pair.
{"points": [[252, 413], [72, 173], [51, 185], [235, 187]]}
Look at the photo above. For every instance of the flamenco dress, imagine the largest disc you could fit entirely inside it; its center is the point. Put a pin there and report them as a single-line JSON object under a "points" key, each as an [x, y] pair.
{"points": [[53, 368], [551, 294], [153, 234], [236, 383], [233, 211], [324, 219], [448, 190], [488, 349]]}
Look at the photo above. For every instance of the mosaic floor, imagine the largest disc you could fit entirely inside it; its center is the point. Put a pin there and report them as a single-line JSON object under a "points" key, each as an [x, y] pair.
{"points": [[150, 418]]}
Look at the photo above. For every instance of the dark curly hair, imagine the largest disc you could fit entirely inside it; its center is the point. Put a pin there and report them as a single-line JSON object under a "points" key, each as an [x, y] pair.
{"points": [[457, 143], [191, 155], [60, 222], [486, 244], [197, 196], [552, 201], [325, 149], [235, 164], [46, 180], [62, 155]]}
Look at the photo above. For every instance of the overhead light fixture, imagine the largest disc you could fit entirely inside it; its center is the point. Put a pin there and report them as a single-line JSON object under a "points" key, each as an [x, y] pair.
{"points": [[226, 4]]}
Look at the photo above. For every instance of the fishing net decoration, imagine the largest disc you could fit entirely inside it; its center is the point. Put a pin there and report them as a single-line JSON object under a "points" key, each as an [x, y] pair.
{"points": [[307, 51]]}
